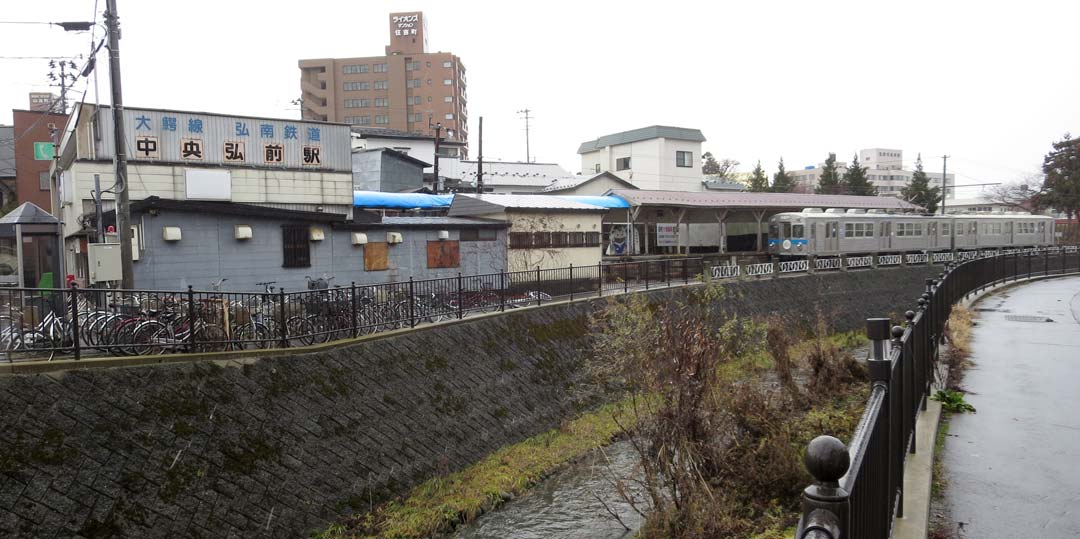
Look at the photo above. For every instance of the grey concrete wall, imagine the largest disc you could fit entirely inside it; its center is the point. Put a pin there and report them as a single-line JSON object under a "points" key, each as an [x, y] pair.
{"points": [[281, 446], [209, 251], [380, 171]]}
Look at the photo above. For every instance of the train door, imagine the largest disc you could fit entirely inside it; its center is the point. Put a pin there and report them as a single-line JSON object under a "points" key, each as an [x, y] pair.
{"points": [[886, 235], [832, 236], [932, 235]]}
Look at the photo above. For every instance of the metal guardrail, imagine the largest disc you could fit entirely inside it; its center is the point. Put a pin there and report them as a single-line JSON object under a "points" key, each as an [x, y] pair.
{"points": [[858, 489], [49, 323]]}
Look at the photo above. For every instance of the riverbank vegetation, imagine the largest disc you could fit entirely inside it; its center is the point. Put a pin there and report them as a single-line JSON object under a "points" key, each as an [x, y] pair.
{"points": [[718, 409]]}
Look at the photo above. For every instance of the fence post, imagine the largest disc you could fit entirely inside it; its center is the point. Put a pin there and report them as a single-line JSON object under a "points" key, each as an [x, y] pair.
{"points": [[75, 321], [460, 298], [645, 264], [668, 264], [571, 282], [825, 503], [685, 275], [539, 298], [281, 313], [502, 291], [625, 277], [191, 317], [1046, 262], [599, 279]]}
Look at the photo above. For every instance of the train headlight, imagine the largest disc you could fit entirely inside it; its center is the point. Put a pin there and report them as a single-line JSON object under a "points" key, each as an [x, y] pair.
{"points": [[787, 245], [799, 247]]}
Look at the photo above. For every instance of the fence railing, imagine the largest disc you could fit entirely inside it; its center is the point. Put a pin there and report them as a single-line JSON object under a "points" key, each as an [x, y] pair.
{"points": [[49, 323], [858, 488]]}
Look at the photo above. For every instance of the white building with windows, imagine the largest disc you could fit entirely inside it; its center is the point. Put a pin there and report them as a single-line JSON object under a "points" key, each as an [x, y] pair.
{"points": [[884, 168], [658, 157]]}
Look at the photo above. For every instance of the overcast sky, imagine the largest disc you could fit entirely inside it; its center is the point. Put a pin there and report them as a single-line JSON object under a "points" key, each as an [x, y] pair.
{"points": [[992, 86]]}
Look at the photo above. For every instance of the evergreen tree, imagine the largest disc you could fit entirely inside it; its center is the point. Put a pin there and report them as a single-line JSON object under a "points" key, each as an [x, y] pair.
{"points": [[710, 166], [918, 190], [829, 182], [1061, 188], [855, 180], [759, 182], [782, 182]]}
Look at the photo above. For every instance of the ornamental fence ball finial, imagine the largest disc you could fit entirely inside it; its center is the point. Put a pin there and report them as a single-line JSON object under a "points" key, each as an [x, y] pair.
{"points": [[910, 315], [922, 303], [898, 331], [827, 460]]}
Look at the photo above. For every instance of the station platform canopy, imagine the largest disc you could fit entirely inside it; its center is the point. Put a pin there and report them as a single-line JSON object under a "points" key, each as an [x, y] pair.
{"points": [[757, 201]]}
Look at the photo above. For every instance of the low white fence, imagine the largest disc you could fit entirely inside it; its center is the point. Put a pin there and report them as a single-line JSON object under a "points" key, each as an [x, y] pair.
{"points": [[759, 269], [794, 265], [941, 257], [860, 262], [828, 263], [889, 260], [725, 272], [916, 259]]}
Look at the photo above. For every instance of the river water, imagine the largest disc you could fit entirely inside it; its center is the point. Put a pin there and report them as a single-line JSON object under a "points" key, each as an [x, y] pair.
{"points": [[565, 505]]}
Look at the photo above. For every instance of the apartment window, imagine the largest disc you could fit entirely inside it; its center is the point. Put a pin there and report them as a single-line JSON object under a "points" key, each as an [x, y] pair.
{"points": [[382, 102], [355, 68], [684, 159], [416, 117], [412, 66], [448, 99], [449, 116], [357, 103], [382, 85], [358, 120], [382, 119], [622, 163], [414, 100], [354, 86], [295, 246], [380, 68], [478, 234], [447, 64], [560, 239], [43, 180], [413, 83], [447, 82]]}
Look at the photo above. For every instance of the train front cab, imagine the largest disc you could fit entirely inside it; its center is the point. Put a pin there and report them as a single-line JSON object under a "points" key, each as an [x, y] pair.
{"points": [[787, 236]]}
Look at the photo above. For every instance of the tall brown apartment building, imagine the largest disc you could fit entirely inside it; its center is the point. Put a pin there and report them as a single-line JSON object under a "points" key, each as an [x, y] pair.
{"points": [[408, 89]]}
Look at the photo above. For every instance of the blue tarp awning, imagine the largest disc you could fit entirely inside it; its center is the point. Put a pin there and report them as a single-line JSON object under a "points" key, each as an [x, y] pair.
{"points": [[607, 201], [400, 201]]}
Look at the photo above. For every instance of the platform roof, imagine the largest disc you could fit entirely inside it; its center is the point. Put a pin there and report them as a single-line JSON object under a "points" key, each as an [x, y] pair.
{"points": [[756, 201]]}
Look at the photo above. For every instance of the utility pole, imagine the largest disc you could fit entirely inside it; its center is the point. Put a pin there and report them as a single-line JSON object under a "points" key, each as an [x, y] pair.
{"points": [[527, 118], [437, 182], [60, 279], [123, 211], [944, 182], [480, 161]]}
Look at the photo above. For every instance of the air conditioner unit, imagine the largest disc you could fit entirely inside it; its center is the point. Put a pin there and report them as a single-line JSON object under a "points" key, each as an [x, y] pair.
{"points": [[444, 234], [317, 234], [359, 238], [393, 237], [171, 233], [242, 232]]}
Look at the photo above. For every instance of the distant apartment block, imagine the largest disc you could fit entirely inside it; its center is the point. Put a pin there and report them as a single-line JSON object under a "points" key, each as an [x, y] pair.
{"points": [[407, 89], [884, 168], [657, 157]]}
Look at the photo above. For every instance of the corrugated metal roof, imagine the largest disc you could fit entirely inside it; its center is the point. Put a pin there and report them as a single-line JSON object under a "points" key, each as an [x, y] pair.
{"points": [[644, 133], [399, 201], [503, 172], [756, 200], [440, 221], [495, 203]]}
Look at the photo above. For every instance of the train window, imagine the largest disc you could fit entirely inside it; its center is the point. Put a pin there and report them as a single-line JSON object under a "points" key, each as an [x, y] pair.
{"points": [[797, 231], [909, 229], [960, 229], [774, 230], [974, 228], [786, 227], [859, 230], [1042, 227], [945, 229]]}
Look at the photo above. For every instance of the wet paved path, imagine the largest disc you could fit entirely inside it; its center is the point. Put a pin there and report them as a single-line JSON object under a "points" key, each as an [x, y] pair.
{"points": [[1013, 468]]}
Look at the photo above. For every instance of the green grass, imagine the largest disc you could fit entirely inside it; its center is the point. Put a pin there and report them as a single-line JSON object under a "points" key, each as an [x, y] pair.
{"points": [[442, 503]]}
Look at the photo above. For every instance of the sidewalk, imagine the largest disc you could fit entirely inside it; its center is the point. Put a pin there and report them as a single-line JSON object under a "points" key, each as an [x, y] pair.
{"points": [[1013, 468]]}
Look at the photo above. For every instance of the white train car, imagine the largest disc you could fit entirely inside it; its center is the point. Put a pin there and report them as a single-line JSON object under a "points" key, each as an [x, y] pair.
{"points": [[834, 232]]}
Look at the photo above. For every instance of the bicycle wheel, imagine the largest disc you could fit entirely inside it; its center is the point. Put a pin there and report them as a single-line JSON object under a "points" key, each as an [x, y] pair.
{"points": [[300, 331], [152, 338], [210, 338], [253, 336]]}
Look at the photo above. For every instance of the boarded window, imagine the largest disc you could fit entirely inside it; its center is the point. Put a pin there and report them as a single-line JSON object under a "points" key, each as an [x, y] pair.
{"points": [[520, 240], [296, 246], [376, 256], [443, 254]]}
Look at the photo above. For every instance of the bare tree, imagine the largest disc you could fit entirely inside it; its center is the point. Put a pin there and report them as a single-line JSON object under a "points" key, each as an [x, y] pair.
{"points": [[1015, 195]]}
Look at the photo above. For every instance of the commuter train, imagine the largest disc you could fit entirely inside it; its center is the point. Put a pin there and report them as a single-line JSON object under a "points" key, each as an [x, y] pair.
{"points": [[817, 232]]}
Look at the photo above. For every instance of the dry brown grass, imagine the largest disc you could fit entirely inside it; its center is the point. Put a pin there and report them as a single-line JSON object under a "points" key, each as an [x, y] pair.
{"points": [[958, 332]]}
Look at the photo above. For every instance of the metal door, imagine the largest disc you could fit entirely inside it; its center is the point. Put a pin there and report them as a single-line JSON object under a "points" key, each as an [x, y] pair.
{"points": [[932, 236], [832, 236]]}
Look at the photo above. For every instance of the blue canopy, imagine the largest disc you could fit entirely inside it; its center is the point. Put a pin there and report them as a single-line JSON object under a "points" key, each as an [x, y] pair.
{"points": [[607, 201], [400, 201]]}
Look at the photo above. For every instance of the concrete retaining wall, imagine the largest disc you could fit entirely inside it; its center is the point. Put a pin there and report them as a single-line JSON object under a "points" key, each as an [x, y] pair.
{"points": [[280, 446]]}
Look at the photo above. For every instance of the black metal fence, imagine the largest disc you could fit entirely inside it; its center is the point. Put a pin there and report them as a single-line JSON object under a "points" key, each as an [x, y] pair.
{"points": [[50, 323], [858, 489]]}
